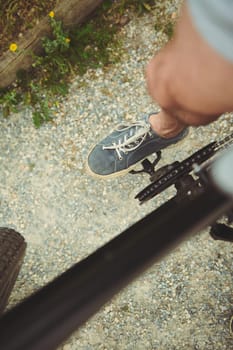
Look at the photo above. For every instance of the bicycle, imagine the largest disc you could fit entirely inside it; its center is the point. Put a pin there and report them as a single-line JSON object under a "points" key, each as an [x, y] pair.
{"points": [[55, 311]]}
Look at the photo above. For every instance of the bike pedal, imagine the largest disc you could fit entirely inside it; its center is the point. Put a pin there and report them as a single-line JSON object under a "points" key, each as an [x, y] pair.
{"points": [[148, 167]]}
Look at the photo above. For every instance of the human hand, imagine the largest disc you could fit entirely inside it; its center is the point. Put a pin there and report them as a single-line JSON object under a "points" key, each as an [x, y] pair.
{"points": [[189, 79]]}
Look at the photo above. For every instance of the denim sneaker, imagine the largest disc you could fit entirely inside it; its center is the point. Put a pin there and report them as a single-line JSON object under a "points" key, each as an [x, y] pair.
{"points": [[118, 153]]}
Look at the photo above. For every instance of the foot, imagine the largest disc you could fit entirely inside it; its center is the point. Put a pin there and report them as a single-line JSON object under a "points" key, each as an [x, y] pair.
{"points": [[124, 147]]}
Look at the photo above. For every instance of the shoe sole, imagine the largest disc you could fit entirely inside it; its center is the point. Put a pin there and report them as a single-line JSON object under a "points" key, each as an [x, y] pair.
{"points": [[132, 167]]}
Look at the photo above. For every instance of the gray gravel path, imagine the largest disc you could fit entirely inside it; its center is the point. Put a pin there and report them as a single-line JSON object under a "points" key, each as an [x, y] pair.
{"points": [[183, 302]]}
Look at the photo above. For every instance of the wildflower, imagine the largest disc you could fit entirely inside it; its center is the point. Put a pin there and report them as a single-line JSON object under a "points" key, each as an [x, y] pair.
{"points": [[13, 47], [51, 14], [67, 40]]}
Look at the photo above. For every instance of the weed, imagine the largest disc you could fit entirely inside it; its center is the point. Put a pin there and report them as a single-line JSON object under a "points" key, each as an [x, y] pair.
{"points": [[9, 101], [54, 64], [40, 102]]}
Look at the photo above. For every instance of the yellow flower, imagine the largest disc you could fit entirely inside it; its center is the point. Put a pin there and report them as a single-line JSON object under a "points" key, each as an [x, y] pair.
{"points": [[51, 14], [13, 47], [67, 40]]}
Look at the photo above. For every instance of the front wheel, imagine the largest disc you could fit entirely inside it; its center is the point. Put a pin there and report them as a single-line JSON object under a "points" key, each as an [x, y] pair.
{"points": [[12, 251]]}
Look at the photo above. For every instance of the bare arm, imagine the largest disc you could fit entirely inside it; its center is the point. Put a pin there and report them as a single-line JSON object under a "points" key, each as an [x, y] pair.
{"points": [[189, 79]]}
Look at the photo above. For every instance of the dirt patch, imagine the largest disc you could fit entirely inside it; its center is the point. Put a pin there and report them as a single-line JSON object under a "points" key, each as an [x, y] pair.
{"points": [[17, 16]]}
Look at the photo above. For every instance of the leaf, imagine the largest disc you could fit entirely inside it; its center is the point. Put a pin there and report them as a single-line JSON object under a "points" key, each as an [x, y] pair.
{"points": [[37, 119], [147, 6]]}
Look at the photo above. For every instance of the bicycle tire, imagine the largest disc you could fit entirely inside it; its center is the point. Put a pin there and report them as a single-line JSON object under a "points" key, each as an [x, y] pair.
{"points": [[12, 251]]}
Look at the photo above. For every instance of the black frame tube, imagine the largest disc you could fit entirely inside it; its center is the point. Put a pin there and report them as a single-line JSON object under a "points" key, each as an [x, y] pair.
{"points": [[45, 319]]}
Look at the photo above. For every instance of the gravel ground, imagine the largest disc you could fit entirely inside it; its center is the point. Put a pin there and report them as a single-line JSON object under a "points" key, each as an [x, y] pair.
{"points": [[182, 302]]}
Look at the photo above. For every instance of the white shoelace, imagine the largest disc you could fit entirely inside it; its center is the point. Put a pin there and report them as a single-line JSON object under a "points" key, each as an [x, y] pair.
{"points": [[131, 140]]}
